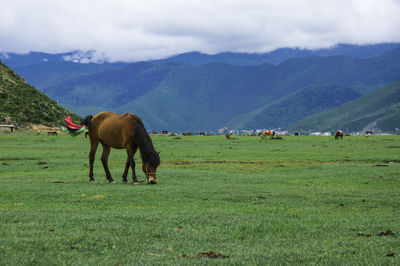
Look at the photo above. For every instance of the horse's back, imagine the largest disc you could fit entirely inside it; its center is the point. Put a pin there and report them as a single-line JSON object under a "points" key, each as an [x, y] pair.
{"points": [[115, 130]]}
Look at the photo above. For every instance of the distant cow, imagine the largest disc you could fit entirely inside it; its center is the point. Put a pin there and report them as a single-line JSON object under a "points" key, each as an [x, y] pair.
{"points": [[265, 133], [339, 134], [228, 135], [202, 134], [187, 133], [164, 132], [296, 134], [52, 133]]}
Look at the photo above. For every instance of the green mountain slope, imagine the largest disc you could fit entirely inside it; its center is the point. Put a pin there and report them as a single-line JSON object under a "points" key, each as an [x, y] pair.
{"points": [[45, 74], [207, 97], [21, 103], [378, 111], [109, 89], [295, 106], [204, 97]]}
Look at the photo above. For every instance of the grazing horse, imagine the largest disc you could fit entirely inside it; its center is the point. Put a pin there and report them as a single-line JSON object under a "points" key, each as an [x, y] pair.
{"points": [[122, 132], [265, 133], [339, 134]]}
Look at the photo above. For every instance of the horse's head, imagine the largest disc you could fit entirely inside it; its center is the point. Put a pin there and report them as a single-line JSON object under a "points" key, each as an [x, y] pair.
{"points": [[149, 166]]}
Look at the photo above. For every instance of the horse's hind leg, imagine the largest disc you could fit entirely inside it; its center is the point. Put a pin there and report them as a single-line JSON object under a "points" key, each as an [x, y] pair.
{"points": [[93, 148], [104, 160]]}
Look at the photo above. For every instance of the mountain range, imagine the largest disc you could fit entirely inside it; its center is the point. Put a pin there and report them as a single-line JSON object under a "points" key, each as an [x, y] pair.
{"points": [[292, 89]]}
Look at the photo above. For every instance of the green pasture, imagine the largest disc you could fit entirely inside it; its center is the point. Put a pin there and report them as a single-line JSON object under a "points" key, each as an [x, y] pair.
{"points": [[239, 201]]}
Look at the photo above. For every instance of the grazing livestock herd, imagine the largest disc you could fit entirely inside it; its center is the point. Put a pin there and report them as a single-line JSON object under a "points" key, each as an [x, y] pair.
{"points": [[262, 133], [127, 131]]}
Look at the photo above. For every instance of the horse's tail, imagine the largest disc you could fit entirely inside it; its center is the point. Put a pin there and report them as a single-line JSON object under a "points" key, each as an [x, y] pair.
{"points": [[87, 120]]}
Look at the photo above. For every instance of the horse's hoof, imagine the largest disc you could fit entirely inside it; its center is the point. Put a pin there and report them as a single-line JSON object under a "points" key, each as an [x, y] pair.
{"points": [[135, 182], [91, 180]]}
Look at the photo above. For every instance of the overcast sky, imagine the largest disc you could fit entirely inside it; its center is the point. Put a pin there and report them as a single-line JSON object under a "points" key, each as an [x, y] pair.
{"points": [[131, 30]]}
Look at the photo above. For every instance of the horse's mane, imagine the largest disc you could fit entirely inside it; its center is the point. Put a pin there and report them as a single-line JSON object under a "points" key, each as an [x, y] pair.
{"points": [[147, 151]]}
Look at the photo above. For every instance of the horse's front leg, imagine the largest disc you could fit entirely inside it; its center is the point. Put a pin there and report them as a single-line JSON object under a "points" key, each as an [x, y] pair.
{"points": [[104, 161], [125, 174], [130, 162], [134, 178], [92, 154]]}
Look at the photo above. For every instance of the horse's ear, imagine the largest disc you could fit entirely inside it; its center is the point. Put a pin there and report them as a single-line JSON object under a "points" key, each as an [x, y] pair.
{"points": [[159, 152]]}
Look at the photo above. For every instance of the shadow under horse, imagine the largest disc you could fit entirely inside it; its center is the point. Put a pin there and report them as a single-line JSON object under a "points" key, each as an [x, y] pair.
{"points": [[122, 131]]}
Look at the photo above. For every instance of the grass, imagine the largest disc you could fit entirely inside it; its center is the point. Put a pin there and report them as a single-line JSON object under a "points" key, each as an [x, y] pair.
{"points": [[301, 200]]}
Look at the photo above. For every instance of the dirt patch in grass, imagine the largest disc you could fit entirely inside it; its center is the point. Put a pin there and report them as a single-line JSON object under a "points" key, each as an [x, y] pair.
{"points": [[212, 255], [387, 233], [206, 254]]}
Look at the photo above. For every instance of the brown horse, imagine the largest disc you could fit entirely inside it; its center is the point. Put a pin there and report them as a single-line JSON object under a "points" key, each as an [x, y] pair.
{"points": [[121, 132]]}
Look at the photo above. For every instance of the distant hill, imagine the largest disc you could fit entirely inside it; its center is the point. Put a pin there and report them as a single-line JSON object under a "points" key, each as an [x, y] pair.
{"points": [[282, 54], [21, 104], [200, 92], [295, 106], [16, 61], [108, 90], [378, 111]]}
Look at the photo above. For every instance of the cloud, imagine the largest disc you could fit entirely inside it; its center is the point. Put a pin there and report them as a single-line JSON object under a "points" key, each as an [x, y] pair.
{"points": [[149, 29]]}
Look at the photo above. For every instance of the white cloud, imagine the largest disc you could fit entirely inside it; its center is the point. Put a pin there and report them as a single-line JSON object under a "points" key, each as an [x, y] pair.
{"points": [[149, 29]]}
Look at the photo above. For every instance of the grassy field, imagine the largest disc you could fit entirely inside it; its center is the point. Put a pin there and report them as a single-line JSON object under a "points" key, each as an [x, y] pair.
{"points": [[300, 200]]}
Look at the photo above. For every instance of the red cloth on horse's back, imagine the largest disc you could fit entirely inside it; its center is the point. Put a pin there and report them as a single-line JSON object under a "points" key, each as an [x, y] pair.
{"points": [[72, 125]]}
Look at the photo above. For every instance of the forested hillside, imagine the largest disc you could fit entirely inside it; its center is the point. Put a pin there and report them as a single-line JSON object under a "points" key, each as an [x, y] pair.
{"points": [[21, 104]]}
